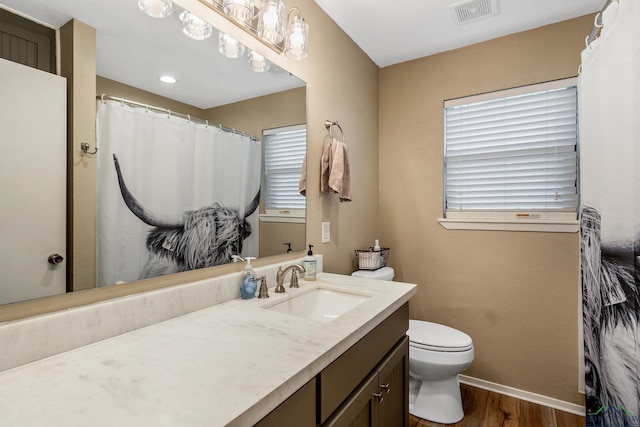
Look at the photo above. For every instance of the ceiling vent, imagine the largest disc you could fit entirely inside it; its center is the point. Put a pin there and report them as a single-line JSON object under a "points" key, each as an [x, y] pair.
{"points": [[473, 10]]}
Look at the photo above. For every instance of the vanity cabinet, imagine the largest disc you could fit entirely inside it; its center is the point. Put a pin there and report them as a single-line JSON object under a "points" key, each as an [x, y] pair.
{"points": [[382, 398], [370, 381], [368, 385]]}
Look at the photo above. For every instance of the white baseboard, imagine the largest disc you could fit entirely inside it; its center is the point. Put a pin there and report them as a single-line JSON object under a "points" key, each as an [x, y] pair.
{"points": [[523, 395]]}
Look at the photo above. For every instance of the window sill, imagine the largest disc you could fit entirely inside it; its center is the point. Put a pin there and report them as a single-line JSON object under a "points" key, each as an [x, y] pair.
{"points": [[282, 218], [546, 226]]}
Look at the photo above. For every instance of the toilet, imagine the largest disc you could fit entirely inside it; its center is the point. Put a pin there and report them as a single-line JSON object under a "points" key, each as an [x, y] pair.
{"points": [[437, 354]]}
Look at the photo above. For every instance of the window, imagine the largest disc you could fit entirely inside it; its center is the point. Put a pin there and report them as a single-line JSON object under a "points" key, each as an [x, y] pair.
{"points": [[510, 159], [283, 151]]}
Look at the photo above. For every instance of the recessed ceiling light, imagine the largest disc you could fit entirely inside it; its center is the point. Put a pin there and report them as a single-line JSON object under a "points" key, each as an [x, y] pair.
{"points": [[167, 79]]}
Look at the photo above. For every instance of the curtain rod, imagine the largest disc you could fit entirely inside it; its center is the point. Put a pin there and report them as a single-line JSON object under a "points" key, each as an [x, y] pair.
{"points": [[187, 117], [597, 24]]}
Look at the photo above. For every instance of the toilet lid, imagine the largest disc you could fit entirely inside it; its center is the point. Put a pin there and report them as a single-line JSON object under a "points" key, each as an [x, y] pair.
{"points": [[436, 337]]}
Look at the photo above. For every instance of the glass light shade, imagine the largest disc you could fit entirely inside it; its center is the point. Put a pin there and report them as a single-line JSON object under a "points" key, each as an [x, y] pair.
{"points": [[230, 47], [156, 8], [239, 10], [194, 27], [296, 39], [271, 21], [257, 62]]}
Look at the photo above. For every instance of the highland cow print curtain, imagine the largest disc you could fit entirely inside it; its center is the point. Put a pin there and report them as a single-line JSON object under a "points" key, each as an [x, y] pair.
{"points": [[173, 195], [609, 91]]}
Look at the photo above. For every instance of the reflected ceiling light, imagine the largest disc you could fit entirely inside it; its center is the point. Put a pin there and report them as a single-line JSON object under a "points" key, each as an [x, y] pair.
{"points": [[167, 79], [271, 21], [296, 38], [257, 62], [229, 47], [156, 8], [239, 10], [194, 27]]}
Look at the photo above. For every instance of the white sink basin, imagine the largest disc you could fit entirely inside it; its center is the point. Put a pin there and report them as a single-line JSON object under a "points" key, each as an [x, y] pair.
{"points": [[319, 304]]}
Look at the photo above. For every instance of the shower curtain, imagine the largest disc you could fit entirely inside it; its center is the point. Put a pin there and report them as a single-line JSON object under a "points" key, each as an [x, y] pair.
{"points": [[609, 93], [192, 179]]}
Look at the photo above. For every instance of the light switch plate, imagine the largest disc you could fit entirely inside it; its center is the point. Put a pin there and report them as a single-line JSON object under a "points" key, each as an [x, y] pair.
{"points": [[326, 232]]}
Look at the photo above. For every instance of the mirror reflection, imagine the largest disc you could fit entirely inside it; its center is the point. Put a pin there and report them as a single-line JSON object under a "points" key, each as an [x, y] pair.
{"points": [[178, 168]]}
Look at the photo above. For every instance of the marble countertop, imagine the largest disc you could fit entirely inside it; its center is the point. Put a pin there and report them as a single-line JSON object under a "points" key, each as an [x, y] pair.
{"points": [[226, 365]]}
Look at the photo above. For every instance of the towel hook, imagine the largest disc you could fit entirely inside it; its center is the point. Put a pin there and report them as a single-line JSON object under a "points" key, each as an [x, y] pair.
{"points": [[329, 125], [85, 148]]}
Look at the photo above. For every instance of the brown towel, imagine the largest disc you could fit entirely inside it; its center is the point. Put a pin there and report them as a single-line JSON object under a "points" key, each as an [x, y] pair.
{"points": [[302, 185], [336, 173]]}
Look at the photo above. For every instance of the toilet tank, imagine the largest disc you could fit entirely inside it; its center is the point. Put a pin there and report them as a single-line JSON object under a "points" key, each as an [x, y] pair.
{"points": [[384, 273]]}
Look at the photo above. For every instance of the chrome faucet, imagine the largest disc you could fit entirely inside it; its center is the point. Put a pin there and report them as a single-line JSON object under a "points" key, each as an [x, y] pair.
{"points": [[294, 277]]}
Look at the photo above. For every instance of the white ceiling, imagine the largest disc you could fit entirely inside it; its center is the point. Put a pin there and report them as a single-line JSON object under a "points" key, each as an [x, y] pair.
{"points": [[394, 31]]}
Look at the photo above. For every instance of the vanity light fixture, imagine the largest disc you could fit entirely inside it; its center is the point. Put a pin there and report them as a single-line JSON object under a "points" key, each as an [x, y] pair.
{"points": [[194, 27], [239, 10], [156, 8], [257, 62], [268, 24], [229, 47], [271, 21], [296, 38]]}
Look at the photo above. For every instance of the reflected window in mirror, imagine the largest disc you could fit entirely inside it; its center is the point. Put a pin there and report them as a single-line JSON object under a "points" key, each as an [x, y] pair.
{"points": [[283, 174]]}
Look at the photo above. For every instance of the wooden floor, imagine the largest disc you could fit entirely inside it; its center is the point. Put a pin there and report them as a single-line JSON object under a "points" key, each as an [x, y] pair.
{"points": [[484, 408]]}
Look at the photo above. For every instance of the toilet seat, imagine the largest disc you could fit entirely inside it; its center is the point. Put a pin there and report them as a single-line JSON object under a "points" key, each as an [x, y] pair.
{"points": [[436, 337]]}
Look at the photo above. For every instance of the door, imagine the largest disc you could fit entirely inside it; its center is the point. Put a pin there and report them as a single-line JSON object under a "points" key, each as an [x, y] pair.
{"points": [[32, 183]]}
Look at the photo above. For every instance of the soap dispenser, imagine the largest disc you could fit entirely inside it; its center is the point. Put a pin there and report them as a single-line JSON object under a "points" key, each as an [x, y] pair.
{"points": [[248, 285], [310, 265]]}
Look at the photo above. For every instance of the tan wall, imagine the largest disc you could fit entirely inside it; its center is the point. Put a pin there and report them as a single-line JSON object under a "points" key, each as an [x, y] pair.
{"points": [[78, 65], [112, 88], [266, 112], [515, 293]]}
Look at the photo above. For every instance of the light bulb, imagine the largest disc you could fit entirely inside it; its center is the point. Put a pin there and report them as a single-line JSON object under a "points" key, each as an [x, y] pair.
{"points": [[156, 8], [296, 44], [257, 62], [271, 21], [229, 47], [194, 27], [239, 10]]}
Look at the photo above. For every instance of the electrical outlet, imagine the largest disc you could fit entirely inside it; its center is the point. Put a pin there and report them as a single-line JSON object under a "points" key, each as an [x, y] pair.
{"points": [[326, 232]]}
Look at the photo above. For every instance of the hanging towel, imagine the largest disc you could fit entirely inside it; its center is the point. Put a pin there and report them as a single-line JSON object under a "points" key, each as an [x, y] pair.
{"points": [[336, 173], [302, 185]]}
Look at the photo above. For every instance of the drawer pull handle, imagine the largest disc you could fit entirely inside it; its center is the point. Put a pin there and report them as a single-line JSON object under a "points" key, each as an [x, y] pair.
{"points": [[386, 387], [379, 397]]}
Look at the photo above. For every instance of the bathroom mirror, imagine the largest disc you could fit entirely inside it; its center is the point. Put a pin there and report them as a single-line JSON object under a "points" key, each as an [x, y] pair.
{"points": [[133, 50]]}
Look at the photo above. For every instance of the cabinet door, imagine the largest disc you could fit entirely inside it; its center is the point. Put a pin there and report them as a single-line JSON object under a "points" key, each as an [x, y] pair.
{"points": [[393, 376], [360, 409]]}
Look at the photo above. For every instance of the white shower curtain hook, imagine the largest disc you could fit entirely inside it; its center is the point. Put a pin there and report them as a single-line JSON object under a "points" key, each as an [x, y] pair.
{"points": [[169, 116], [206, 123], [597, 19], [188, 118], [102, 97]]}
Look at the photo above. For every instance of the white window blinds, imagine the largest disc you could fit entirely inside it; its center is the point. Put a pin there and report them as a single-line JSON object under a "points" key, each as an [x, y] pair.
{"points": [[283, 152], [513, 153]]}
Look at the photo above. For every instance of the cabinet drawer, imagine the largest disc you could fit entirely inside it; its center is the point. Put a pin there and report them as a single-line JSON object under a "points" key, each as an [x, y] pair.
{"points": [[340, 378]]}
